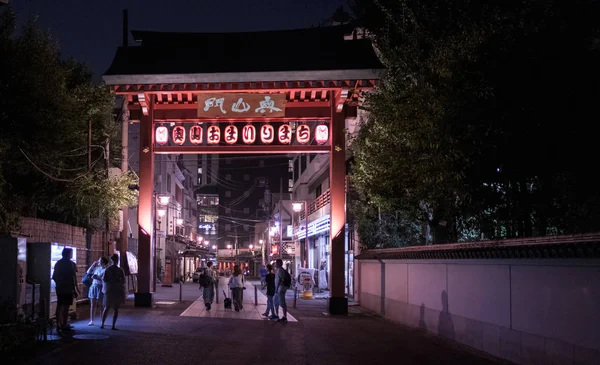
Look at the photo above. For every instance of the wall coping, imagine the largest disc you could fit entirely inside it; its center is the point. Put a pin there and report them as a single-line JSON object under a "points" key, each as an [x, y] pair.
{"points": [[564, 246]]}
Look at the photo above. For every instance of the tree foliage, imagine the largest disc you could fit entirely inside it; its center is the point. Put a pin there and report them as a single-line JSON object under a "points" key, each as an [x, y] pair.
{"points": [[481, 126], [46, 105]]}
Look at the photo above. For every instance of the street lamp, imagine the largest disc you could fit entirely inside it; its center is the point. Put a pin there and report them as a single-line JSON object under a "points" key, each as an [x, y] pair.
{"points": [[161, 212], [164, 199], [251, 247], [297, 207], [214, 247], [179, 221]]}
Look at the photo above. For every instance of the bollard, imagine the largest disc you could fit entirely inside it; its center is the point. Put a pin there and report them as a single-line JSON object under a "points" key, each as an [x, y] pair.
{"points": [[255, 296], [295, 296], [180, 291]]}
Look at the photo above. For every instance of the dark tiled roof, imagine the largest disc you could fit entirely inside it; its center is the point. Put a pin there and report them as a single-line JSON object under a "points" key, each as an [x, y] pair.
{"points": [[572, 246], [288, 50]]}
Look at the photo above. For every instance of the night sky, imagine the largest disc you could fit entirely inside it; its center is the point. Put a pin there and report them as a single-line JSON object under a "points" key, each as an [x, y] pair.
{"points": [[90, 31]]}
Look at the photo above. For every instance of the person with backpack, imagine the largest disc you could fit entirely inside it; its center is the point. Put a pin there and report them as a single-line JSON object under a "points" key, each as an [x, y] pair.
{"points": [[283, 281], [207, 284]]}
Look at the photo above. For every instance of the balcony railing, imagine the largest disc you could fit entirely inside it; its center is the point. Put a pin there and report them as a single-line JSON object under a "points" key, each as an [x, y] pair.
{"points": [[321, 201]]}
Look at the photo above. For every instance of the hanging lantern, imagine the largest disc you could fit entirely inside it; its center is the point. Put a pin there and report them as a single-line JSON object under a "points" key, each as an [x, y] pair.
{"points": [[178, 135], [231, 134], [196, 134], [248, 134], [303, 134], [213, 134], [322, 134], [267, 134], [161, 135], [285, 134]]}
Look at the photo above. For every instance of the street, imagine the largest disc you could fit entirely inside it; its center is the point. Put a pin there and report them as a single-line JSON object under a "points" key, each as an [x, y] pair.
{"points": [[161, 335]]}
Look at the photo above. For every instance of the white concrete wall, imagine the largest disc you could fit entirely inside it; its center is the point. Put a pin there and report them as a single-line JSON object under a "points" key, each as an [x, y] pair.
{"points": [[526, 311]]}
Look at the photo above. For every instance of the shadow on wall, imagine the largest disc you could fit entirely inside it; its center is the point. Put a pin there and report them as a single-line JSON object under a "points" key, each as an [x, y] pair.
{"points": [[445, 324], [422, 325]]}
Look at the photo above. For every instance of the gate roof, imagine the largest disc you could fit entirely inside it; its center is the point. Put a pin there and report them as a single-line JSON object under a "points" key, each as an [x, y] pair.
{"points": [[313, 54]]}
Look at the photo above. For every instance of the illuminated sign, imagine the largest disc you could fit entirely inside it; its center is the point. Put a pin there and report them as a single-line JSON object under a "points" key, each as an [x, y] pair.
{"points": [[232, 133], [179, 135], [214, 134], [285, 134], [320, 225], [161, 135], [267, 134], [196, 134], [303, 134], [248, 134], [322, 134], [206, 226], [239, 105]]}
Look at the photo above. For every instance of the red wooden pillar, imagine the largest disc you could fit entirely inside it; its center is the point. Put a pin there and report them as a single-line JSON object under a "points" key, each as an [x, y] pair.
{"points": [[143, 297], [338, 303]]}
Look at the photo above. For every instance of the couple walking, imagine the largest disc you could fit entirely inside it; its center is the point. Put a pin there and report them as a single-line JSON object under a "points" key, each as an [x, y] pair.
{"points": [[277, 285], [107, 289]]}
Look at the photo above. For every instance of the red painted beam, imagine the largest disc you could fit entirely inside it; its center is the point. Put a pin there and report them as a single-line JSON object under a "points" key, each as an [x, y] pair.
{"points": [[265, 149]]}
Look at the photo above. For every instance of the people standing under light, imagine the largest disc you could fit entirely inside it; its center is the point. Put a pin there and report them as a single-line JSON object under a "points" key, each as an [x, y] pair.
{"points": [[237, 286], [113, 289], [95, 293]]}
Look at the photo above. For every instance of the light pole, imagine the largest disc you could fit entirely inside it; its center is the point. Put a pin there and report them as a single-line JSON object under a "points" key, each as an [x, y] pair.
{"points": [[161, 200], [297, 207]]}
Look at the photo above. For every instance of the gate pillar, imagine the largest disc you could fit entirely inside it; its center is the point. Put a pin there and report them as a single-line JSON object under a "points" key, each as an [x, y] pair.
{"points": [[143, 296], [338, 303]]}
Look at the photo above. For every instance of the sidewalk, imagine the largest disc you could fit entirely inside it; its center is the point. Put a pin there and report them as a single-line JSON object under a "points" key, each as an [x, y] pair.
{"points": [[250, 311]]}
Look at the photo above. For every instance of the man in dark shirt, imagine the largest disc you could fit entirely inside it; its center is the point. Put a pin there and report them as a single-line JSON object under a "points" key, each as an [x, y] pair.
{"points": [[65, 277]]}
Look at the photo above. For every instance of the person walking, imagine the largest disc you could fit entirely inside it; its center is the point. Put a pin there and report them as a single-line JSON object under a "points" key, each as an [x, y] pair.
{"points": [[270, 284], [113, 289], [263, 275], [237, 286], [283, 281], [208, 281], [95, 293], [65, 278]]}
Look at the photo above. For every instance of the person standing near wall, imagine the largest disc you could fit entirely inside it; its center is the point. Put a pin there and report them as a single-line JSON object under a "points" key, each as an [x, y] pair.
{"points": [[65, 277], [113, 289]]}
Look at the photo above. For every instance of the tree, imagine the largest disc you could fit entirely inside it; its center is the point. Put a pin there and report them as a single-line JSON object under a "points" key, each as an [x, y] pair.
{"points": [[451, 141], [46, 106]]}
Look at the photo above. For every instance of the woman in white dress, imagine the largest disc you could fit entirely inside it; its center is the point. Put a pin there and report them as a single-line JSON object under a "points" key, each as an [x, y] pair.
{"points": [[95, 292]]}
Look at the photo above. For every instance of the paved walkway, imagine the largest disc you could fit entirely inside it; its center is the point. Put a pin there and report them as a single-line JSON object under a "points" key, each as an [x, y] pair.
{"points": [[250, 311], [160, 335]]}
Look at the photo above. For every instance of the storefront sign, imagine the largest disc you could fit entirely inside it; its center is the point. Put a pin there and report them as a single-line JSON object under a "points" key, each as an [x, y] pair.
{"points": [[248, 133], [205, 226], [240, 105]]}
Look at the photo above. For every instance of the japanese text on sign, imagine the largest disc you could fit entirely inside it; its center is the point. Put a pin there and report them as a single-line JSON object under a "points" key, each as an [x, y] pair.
{"points": [[236, 105]]}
